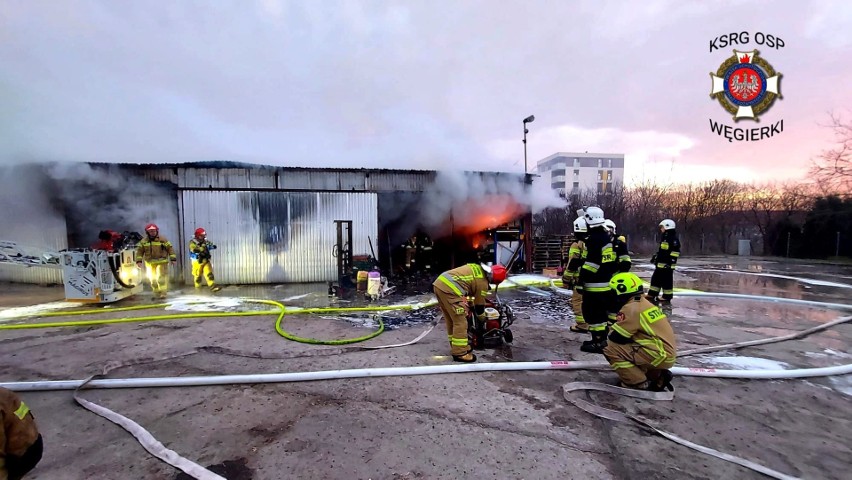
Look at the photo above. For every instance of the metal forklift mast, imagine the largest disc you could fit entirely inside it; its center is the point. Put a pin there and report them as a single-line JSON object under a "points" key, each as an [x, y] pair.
{"points": [[343, 251]]}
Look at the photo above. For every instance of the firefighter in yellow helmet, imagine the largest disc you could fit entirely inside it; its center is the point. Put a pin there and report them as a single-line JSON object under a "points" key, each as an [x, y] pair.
{"points": [[199, 254], [20, 442], [156, 252], [453, 288], [576, 256], [641, 347]]}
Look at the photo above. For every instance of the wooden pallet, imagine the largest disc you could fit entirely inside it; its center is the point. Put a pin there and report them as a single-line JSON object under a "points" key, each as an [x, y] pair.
{"points": [[549, 251]]}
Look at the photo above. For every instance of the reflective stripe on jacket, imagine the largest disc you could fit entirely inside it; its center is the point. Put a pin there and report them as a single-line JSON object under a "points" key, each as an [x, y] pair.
{"points": [[155, 250], [465, 281], [647, 325]]}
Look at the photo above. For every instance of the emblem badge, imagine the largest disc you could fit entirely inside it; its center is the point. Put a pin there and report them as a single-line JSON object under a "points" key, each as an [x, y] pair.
{"points": [[745, 85]]}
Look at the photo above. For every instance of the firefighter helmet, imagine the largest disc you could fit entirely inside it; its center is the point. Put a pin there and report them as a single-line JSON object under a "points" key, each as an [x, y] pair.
{"points": [[625, 284], [594, 216], [496, 273], [151, 226], [200, 232], [668, 224], [610, 225], [580, 226]]}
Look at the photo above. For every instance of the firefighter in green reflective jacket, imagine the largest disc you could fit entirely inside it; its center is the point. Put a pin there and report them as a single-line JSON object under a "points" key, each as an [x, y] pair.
{"points": [[641, 347], [156, 252]]}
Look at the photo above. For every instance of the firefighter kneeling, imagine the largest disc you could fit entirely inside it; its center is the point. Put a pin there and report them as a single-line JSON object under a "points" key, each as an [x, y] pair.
{"points": [[452, 288], [641, 347]]}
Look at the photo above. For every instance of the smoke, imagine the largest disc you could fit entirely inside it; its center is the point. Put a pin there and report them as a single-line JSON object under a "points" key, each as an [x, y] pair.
{"points": [[466, 202], [89, 198], [27, 214]]}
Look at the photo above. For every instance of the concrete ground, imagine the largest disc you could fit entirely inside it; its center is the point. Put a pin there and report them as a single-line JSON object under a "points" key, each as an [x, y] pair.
{"points": [[502, 425]]}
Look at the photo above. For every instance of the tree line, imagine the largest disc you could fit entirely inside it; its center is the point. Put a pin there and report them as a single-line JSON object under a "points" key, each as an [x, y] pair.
{"points": [[811, 218]]}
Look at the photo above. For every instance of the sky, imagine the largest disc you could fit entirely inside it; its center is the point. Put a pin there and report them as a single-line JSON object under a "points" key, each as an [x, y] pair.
{"points": [[414, 84]]}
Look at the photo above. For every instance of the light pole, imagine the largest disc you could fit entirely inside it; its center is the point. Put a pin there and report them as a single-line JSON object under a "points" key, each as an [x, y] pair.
{"points": [[527, 120]]}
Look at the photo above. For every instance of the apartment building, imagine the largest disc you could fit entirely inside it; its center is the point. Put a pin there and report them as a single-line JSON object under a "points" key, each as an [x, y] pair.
{"points": [[571, 173]]}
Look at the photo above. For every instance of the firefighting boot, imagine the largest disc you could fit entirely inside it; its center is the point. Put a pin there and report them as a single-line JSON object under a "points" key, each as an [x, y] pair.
{"points": [[652, 299], [639, 386], [215, 288], [660, 380], [596, 344], [580, 328], [468, 357]]}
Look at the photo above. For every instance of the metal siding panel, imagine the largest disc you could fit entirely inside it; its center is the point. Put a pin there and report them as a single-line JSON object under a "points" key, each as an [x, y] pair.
{"points": [[272, 237]]}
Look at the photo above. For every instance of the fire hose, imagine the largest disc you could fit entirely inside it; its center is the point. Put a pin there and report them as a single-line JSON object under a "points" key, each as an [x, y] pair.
{"points": [[510, 366]]}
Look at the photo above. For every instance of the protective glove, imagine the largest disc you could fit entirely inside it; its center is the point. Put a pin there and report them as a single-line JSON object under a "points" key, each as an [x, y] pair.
{"points": [[211, 246], [140, 264], [654, 259]]}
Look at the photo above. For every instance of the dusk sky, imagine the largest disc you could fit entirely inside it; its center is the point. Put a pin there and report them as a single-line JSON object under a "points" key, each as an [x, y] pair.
{"points": [[413, 84]]}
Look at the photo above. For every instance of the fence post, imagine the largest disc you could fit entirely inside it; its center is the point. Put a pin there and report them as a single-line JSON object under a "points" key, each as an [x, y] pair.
{"points": [[837, 248], [788, 244]]}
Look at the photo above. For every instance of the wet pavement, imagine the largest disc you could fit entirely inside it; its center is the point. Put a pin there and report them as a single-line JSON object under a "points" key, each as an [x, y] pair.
{"points": [[496, 425]]}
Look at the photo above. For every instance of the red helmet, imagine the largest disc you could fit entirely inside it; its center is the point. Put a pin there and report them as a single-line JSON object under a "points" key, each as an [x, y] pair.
{"points": [[200, 232], [151, 226], [498, 273]]}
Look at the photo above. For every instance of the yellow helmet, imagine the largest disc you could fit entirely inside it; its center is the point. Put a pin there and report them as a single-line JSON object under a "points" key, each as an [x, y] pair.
{"points": [[625, 283]]}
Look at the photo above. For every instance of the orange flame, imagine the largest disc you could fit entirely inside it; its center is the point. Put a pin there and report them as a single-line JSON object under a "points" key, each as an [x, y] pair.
{"points": [[486, 213]]}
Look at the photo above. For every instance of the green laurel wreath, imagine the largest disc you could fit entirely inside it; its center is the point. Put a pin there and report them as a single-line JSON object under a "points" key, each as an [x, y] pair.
{"points": [[758, 108]]}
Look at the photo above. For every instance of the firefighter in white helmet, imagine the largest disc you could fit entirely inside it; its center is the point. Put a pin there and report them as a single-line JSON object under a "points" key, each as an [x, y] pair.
{"points": [[571, 274], [642, 344], [622, 256], [199, 254], [593, 283], [665, 262], [156, 252]]}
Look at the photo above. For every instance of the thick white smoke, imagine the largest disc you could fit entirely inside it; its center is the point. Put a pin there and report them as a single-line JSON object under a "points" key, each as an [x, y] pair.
{"points": [[87, 198]]}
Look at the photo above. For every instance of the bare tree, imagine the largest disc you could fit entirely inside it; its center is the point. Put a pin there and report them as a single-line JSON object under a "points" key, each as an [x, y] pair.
{"points": [[833, 167], [760, 204]]}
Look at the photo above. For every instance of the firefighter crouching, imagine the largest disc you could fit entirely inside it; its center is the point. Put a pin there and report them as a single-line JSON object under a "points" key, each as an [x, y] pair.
{"points": [[20, 443], [665, 262], [593, 284], [642, 346], [452, 288], [156, 252], [576, 255], [199, 254]]}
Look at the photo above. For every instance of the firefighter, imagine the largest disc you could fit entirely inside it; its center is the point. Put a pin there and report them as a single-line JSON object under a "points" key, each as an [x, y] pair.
{"points": [[642, 345], [665, 262], [107, 240], [20, 442], [619, 246], [199, 254], [593, 282], [622, 258], [571, 273], [410, 247], [453, 288], [426, 247], [156, 252]]}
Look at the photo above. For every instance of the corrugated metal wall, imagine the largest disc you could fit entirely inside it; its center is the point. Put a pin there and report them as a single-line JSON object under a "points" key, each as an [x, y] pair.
{"points": [[273, 237]]}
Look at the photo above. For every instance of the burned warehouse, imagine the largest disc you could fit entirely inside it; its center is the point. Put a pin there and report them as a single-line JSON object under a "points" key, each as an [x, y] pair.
{"points": [[275, 224]]}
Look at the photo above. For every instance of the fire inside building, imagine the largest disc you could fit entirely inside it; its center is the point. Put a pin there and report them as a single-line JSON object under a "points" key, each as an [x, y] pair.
{"points": [[282, 225]]}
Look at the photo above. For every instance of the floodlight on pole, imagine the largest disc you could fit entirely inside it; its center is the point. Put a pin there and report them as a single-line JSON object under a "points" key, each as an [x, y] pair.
{"points": [[527, 120]]}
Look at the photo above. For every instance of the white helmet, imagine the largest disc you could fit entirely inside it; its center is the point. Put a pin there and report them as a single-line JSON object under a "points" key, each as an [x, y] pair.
{"points": [[610, 225], [668, 224], [580, 226], [594, 216]]}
